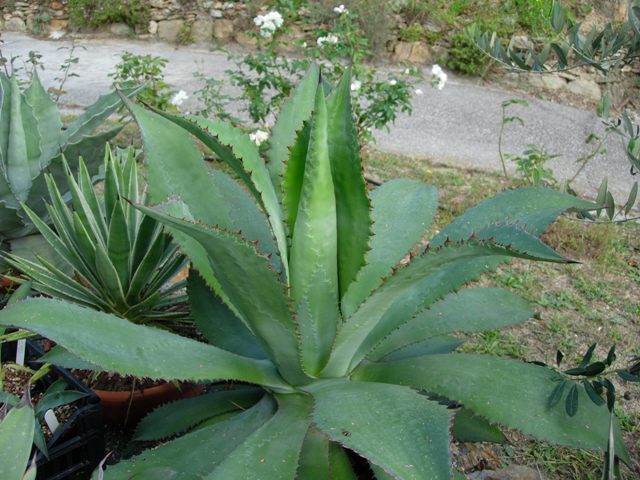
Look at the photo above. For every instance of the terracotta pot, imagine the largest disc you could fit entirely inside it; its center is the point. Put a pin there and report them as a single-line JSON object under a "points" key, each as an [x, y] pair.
{"points": [[116, 404]]}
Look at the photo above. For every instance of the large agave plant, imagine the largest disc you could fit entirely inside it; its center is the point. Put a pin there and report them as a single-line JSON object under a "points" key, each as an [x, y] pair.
{"points": [[114, 258], [334, 344], [32, 141]]}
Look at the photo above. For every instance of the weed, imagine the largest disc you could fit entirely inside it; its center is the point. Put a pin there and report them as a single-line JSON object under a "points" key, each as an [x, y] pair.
{"points": [[184, 35], [495, 342], [464, 57]]}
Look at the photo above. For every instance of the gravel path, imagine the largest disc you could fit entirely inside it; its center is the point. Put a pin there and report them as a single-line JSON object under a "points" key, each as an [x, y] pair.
{"points": [[458, 125]]}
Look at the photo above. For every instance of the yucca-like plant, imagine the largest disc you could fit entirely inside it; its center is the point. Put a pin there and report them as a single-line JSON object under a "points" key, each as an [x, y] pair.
{"points": [[32, 142], [333, 343], [115, 258]]}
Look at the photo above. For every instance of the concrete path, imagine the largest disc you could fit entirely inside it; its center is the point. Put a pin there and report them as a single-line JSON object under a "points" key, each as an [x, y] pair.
{"points": [[458, 125]]}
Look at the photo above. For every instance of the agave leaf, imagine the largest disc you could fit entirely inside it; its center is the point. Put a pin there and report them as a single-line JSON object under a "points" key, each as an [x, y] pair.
{"points": [[468, 427], [430, 346], [178, 417], [402, 211], [94, 115], [5, 116], [35, 245], [273, 450], [339, 464], [22, 150], [294, 112], [56, 399], [294, 176], [16, 438], [517, 239], [62, 358], [118, 246], [352, 201], [131, 349], [409, 290], [370, 414], [236, 148], [242, 272], [314, 457], [470, 310], [195, 454], [218, 323], [313, 263], [47, 118], [476, 380], [533, 208]]}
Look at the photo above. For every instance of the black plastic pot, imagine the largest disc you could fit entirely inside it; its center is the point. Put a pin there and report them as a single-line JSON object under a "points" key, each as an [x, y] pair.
{"points": [[77, 446]]}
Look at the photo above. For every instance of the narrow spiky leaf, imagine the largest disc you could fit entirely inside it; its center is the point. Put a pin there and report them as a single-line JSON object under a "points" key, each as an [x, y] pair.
{"points": [[16, 438], [352, 201], [313, 262], [47, 118]]}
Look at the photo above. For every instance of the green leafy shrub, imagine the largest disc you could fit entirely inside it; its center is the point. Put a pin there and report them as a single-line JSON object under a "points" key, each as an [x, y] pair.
{"points": [[412, 33], [464, 56], [147, 71], [114, 258], [94, 13], [336, 329], [32, 142]]}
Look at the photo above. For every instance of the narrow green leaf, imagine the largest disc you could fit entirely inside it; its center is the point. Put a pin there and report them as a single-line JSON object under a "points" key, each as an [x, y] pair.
{"points": [[179, 416], [440, 344], [532, 208], [474, 380], [294, 176], [195, 454], [352, 201], [16, 438], [118, 247], [18, 166], [571, 402], [242, 272], [468, 427], [556, 395], [471, 310], [294, 112], [402, 211], [131, 349], [370, 414], [631, 199], [218, 323], [314, 457], [314, 249], [339, 464], [273, 450], [591, 391]]}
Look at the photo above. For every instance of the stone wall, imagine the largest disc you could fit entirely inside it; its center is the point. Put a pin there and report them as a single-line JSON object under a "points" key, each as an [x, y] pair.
{"points": [[206, 20]]}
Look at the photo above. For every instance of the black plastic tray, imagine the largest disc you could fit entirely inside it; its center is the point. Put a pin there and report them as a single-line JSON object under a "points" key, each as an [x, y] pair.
{"points": [[77, 446]]}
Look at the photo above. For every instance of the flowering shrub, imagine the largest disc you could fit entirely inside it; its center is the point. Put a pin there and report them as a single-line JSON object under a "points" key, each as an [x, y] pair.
{"points": [[266, 78]]}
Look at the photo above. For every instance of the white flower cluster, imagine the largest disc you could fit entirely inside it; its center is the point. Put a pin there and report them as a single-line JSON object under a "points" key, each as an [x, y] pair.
{"points": [[178, 98], [259, 136], [340, 10], [356, 85], [269, 23], [438, 77], [331, 38]]}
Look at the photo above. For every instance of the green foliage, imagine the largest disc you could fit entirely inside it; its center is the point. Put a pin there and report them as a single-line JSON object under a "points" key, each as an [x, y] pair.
{"points": [[412, 33], [32, 141], [147, 71], [464, 56], [303, 338], [114, 259], [92, 13], [185, 35], [530, 165], [266, 78], [16, 438]]}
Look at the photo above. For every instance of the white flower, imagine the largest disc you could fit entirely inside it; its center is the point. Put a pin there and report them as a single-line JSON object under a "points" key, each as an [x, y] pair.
{"points": [[393, 82], [407, 71], [355, 85], [304, 44], [178, 98], [340, 9], [331, 38], [418, 92], [56, 35], [269, 23], [438, 77], [259, 136]]}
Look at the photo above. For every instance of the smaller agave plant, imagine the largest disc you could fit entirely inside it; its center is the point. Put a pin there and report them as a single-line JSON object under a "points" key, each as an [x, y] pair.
{"points": [[334, 346], [32, 141], [16, 439], [113, 257]]}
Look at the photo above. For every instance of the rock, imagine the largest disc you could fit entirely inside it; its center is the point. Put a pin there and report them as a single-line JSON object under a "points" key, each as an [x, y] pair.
{"points": [[58, 25], [514, 472], [15, 24], [291, 40], [153, 27], [588, 89], [120, 29], [56, 6], [168, 30], [223, 29], [412, 52], [216, 13], [522, 42], [433, 25], [202, 30], [547, 81], [245, 40]]}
